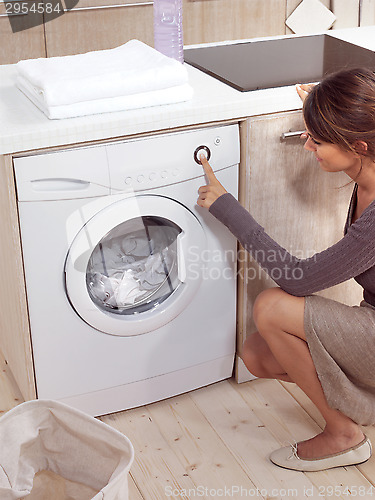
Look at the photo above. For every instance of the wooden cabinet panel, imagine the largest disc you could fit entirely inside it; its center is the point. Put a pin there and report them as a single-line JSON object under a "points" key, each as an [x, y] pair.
{"points": [[303, 208], [88, 26], [367, 17], [22, 43], [219, 20], [346, 12], [84, 30], [102, 24], [15, 338]]}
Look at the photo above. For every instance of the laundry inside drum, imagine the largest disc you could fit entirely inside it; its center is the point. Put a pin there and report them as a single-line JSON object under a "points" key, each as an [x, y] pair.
{"points": [[134, 268]]}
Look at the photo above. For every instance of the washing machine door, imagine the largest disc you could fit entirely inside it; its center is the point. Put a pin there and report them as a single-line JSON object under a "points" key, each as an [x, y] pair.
{"points": [[134, 266]]}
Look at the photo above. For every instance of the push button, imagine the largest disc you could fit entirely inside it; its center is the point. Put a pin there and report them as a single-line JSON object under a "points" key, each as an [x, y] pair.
{"points": [[202, 149]]}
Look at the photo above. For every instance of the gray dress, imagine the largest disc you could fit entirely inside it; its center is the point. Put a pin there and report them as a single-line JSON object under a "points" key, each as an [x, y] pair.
{"points": [[341, 338]]}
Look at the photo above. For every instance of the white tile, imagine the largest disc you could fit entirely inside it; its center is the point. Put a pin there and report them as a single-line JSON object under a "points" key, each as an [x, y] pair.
{"points": [[311, 16]]}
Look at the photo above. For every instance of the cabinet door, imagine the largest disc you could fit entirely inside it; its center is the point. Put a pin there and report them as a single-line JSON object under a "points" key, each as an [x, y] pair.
{"points": [[303, 208]]}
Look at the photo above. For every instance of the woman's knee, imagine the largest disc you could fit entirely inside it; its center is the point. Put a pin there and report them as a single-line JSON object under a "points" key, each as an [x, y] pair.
{"points": [[275, 310]]}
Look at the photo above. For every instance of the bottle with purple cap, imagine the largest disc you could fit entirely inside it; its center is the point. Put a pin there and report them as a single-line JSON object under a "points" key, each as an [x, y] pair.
{"points": [[168, 34]]}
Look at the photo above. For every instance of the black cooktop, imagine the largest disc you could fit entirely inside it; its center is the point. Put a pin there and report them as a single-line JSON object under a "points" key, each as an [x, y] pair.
{"points": [[275, 63]]}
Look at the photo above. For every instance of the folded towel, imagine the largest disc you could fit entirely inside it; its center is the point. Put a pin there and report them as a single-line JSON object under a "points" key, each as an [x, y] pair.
{"points": [[132, 68], [170, 95]]}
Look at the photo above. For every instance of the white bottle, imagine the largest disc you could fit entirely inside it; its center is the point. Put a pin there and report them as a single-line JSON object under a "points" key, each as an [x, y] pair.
{"points": [[168, 34]]}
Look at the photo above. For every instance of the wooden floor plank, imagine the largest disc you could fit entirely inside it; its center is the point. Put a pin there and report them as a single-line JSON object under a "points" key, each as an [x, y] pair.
{"points": [[134, 493], [289, 422], [156, 470], [222, 435], [205, 457], [248, 439]]}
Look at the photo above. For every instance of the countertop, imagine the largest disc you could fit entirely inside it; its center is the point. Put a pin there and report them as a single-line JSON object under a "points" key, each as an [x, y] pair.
{"points": [[24, 127]]}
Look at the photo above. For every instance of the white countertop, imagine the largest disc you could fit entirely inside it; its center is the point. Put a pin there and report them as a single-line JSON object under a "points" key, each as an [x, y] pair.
{"points": [[24, 127]]}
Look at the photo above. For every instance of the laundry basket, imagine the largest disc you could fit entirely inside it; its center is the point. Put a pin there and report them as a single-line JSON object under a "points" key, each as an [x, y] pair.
{"points": [[71, 455]]}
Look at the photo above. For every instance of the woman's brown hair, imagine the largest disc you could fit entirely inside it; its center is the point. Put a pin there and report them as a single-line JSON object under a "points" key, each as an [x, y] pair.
{"points": [[341, 110]]}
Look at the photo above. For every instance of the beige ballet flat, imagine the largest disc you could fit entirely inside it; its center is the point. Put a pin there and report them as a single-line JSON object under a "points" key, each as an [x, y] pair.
{"points": [[288, 458]]}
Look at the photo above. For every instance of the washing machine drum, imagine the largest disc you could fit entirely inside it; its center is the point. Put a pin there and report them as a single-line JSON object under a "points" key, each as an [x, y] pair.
{"points": [[133, 267]]}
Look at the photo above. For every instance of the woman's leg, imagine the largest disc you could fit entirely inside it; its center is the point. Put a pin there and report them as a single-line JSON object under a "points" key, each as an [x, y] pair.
{"points": [[259, 359], [279, 319]]}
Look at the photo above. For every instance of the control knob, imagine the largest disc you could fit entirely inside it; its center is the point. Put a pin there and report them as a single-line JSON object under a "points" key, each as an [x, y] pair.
{"points": [[202, 150]]}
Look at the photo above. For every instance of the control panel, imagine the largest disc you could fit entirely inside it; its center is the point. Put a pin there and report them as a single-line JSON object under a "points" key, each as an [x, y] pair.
{"points": [[159, 160]]}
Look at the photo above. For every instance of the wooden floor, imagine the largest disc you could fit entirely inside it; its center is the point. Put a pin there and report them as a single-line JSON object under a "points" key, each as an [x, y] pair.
{"points": [[214, 443]]}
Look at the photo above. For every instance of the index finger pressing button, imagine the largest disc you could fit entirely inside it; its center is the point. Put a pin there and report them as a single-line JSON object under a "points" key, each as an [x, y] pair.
{"points": [[202, 150]]}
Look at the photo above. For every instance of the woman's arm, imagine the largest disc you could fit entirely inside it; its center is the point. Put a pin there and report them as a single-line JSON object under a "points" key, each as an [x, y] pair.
{"points": [[348, 258]]}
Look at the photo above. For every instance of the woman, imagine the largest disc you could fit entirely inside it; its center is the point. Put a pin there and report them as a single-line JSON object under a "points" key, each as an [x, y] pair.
{"points": [[326, 348]]}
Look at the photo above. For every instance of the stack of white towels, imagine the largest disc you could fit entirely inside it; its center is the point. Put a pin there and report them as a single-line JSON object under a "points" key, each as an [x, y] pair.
{"points": [[131, 76]]}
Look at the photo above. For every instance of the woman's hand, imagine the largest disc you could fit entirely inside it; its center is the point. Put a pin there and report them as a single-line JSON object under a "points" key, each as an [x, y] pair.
{"points": [[210, 193], [303, 89]]}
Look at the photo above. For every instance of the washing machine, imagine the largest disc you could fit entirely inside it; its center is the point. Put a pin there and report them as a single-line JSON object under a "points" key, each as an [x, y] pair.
{"points": [[131, 287]]}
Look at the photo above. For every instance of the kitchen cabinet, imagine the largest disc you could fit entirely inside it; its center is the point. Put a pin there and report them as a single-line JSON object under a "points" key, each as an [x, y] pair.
{"points": [[303, 208]]}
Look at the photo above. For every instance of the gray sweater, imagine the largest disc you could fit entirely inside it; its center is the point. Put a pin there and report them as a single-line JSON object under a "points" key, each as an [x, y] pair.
{"points": [[351, 257]]}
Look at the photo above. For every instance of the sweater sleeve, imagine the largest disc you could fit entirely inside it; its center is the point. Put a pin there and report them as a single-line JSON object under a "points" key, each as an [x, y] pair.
{"points": [[348, 258]]}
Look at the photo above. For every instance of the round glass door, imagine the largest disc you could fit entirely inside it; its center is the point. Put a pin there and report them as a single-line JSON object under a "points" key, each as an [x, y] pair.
{"points": [[133, 267]]}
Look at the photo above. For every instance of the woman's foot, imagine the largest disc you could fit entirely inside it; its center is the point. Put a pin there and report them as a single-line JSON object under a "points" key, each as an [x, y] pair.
{"points": [[328, 443], [288, 457]]}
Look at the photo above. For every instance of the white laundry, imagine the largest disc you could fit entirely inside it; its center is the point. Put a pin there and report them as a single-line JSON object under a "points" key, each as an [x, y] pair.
{"points": [[124, 270], [154, 271], [131, 68], [133, 75], [172, 95], [139, 246], [128, 290]]}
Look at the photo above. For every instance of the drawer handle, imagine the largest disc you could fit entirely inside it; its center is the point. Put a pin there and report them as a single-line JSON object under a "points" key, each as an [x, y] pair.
{"points": [[291, 135], [59, 184]]}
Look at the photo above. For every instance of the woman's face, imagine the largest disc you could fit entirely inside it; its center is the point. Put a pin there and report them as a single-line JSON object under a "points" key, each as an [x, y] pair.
{"points": [[332, 158]]}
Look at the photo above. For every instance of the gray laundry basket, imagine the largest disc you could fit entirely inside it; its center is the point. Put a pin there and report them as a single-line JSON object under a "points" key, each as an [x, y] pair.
{"points": [[89, 457]]}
